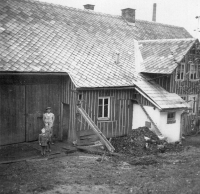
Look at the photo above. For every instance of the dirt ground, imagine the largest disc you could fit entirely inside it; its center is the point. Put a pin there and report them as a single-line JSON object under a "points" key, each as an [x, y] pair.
{"points": [[78, 172]]}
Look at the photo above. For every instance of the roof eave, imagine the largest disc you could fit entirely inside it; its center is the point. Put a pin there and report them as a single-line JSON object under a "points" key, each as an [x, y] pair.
{"points": [[107, 87], [31, 73]]}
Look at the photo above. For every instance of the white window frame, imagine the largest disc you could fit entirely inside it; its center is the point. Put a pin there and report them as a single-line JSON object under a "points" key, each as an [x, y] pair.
{"points": [[193, 71], [171, 120], [180, 68], [103, 101]]}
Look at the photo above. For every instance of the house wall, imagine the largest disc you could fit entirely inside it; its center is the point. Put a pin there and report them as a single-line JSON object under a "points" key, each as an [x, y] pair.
{"points": [[185, 88], [139, 117], [28, 96], [171, 131], [120, 121], [161, 79], [188, 88]]}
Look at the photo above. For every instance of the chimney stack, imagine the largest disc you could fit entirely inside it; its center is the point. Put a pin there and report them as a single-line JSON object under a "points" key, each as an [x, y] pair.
{"points": [[129, 15], [154, 12], [89, 6]]}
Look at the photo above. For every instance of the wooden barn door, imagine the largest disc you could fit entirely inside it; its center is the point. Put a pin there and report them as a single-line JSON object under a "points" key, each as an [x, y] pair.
{"points": [[12, 114], [38, 97]]}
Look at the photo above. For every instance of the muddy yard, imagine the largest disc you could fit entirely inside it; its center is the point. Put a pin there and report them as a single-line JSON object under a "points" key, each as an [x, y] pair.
{"points": [[83, 173]]}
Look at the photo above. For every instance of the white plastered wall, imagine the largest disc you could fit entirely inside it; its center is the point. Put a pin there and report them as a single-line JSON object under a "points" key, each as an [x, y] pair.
{"points": [[139, 117], [171, 131]]}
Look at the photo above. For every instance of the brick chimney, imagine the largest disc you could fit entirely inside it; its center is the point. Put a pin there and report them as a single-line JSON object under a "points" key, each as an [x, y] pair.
{"points": [[129, 15], [89, 6], [154, 12]]}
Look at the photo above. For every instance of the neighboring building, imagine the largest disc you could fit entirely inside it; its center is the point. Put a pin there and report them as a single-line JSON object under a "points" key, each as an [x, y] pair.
{"points": [[175, 65], [56, 56]]}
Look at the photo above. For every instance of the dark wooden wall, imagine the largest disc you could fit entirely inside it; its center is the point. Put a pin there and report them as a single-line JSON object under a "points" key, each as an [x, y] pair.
{"points": [[23, 99], [161, 79], [121, 105], [12, 114], [182, 88]]}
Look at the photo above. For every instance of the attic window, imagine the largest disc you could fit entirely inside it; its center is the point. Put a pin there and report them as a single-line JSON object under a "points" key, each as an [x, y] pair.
{"points": [[180, 72], [194, 75], [171, 117], [192, 51]]}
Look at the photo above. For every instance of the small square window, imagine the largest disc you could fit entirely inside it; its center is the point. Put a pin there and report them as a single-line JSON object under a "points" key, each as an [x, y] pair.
{"points": [[171, 117], [79, 97]]}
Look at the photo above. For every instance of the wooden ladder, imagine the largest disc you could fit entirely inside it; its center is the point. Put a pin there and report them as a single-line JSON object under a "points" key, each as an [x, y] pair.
{"points": [[157, 131], [96, 130]]}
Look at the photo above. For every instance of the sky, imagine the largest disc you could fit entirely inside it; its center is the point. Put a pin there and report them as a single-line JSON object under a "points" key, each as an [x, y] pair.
{"points": [[174, 12]]}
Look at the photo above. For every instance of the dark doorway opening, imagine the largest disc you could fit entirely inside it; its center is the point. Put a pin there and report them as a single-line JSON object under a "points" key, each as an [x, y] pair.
{"points": [[65, 120]]}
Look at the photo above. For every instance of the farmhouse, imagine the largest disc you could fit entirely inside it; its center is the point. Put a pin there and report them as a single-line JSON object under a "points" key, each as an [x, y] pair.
{"points": [[115, 72]]}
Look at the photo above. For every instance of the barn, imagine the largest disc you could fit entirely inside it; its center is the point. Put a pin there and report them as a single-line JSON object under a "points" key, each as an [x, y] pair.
{"points": [[51, 55]]}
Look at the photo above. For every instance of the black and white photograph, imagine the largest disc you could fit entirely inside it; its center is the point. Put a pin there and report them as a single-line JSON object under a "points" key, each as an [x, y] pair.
{"points": [[99, 97]]}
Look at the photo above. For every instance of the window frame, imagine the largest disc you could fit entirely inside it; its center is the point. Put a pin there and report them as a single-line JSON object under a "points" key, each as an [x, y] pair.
{"points": [[171, 120], [182, 71], [80, 97], [103, 108], [194, 71]]}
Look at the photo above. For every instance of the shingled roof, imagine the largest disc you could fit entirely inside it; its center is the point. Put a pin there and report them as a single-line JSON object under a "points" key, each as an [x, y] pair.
{"points": [[161, 56], [159, 96], [41, 37]]}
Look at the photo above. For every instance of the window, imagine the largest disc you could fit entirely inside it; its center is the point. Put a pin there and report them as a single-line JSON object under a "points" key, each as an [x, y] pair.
{"points": [[171, 117], [79, 97], [180, 71], [192, 102], [104, 108], [193, 71], [193, 51]]}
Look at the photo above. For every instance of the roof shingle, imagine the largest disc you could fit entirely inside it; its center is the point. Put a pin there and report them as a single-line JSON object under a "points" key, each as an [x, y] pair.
{"points": [[42, 37], [160, 96], [161, 56]]}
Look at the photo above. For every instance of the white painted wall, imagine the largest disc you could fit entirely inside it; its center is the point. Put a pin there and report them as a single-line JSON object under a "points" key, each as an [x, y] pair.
{"points": [[139, 117], [171, 131]]}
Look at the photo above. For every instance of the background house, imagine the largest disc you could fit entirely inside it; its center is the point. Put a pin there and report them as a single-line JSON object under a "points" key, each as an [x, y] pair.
{"points": [[57, 56], [174, 65]]}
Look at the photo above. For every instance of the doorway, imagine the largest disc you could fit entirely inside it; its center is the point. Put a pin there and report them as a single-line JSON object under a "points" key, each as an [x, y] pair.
{"points": [[65, 120]]}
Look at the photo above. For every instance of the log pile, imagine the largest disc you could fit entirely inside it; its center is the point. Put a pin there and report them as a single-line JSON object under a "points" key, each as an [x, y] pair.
{"points": [[142, 141]]}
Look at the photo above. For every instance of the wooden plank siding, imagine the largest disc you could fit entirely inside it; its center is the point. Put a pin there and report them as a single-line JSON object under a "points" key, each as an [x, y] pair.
{"points": [[12, 114], [162, 79], [143, 100], [24, 106], [186, 88], [182, 88], [121, 108]]}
